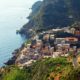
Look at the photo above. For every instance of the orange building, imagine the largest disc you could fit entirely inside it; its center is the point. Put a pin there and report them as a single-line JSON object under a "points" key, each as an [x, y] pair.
{"points": [[77, 30], [71, 39]]}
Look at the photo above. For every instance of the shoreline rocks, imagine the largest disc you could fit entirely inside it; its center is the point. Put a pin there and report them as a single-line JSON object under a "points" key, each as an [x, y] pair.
{"points": [[15, 54]]}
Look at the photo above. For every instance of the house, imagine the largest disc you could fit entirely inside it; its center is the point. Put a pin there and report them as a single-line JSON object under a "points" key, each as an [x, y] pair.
{"points": [[66, 46], [28, 45], [38, 43], [77, 44], [77, 30], [46, 50], [72, 30], [46, 36], [71, 39], [61, 46], [52, 36], [56, 30], [56, 54], [59, 40]]}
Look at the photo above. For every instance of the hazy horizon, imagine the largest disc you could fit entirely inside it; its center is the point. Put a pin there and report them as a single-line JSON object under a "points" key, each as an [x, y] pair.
{"points": [[13, 7]]}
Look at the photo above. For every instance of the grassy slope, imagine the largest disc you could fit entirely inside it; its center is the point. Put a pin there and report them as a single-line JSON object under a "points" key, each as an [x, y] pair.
{"points": [[46, 69]]}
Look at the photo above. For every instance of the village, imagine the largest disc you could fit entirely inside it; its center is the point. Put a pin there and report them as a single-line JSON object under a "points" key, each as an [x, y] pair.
{"points": [[51, 43]]}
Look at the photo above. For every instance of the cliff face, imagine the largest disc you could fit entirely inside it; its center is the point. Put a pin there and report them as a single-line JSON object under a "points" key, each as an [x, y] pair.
{"points": [[53, 13]]}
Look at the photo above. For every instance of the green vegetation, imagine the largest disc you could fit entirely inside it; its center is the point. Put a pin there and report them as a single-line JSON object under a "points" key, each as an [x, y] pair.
{"points": [[64, 13], [15, 74], [46, 69], [74, 75], [27, 42]]}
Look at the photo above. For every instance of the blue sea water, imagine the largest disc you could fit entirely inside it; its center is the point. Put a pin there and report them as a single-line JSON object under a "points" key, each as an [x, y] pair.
{"points": [[13, 15]]}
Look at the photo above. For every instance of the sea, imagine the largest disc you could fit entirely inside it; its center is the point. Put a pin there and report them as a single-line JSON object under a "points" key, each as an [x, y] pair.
{"points": [[13, 15]]}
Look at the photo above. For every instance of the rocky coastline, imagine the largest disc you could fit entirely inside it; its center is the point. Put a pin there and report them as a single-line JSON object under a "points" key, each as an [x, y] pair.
{"points": [[15, 54]]}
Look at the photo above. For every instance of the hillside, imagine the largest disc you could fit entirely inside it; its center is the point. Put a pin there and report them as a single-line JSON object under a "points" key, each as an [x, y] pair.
{"points": [[53, 13], [46, 69]]}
